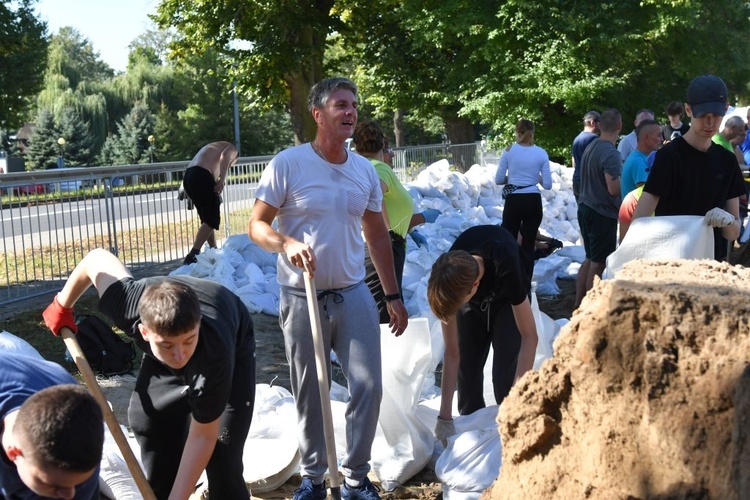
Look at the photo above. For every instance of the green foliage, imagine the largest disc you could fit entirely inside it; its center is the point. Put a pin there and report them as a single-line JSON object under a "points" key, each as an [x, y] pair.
{"points": [[72, 56], [23, 54], [554, 61], [276, 50], [43, 150], [422, 56], [79, 142], [76, 79], [130, 145]]}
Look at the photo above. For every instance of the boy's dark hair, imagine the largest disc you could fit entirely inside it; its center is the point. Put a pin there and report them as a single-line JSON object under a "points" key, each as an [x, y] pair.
{"points": [[321, 91], [451, 279], [62, 427], [169, 308], [368, 137], [611, 120], [674, 108]]}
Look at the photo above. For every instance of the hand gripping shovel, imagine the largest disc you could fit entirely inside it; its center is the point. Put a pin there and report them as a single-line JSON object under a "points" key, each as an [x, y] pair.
{"points": [[325, 399], [114, 427]]}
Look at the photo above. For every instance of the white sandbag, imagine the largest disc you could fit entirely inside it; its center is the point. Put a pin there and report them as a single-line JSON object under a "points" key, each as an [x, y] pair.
{"points": [[271, 455], [546, 271], [472, 459], [115, 480], [672, 237], [403, 444], [576, 253], [17, 345], [255, 276], [547, 331], [237, 242]]}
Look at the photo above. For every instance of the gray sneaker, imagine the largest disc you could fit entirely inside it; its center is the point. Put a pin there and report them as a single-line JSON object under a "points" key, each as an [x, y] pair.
{"points": [[310, 491], [367, 491]]}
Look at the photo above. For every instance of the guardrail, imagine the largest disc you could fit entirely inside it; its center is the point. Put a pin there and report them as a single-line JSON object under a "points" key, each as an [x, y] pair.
{"points": [[52, 218]]}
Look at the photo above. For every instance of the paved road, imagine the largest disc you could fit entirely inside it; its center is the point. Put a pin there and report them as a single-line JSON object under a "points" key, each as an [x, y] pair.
{"points": [[53, 222]]}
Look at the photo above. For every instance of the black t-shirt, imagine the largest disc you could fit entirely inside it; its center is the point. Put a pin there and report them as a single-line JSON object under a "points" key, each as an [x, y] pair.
{"points": [[692, 182], [226, 334], [505, 277], [670, 133]]}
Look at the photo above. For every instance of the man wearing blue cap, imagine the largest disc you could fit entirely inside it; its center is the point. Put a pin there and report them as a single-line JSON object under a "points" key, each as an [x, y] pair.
{"points": [[692, 175]]}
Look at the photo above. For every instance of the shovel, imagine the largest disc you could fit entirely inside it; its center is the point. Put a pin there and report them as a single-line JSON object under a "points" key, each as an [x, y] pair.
{"points": [[114, 427], [325, 399]]}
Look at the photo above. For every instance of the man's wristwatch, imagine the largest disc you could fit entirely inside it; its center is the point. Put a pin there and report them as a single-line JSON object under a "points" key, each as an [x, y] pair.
{"points": [[392, 296]]}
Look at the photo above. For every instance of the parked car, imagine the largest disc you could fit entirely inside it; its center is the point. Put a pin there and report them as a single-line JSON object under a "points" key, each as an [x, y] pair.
{"points": [[30, 189]]}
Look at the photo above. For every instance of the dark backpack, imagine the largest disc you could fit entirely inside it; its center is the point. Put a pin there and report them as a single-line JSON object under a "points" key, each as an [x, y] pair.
{"points": [[105, 351]]}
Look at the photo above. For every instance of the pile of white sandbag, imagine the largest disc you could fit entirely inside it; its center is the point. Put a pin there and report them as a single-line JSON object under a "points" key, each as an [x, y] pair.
{"points": [[464, 200]]}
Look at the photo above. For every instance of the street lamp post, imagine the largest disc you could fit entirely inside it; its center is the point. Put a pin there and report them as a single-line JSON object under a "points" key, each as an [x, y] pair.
{"points": [[61, 159], [151, 140]]}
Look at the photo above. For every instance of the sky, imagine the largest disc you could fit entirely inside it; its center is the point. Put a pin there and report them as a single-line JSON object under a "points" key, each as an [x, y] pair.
{"points": [[110, 25]]}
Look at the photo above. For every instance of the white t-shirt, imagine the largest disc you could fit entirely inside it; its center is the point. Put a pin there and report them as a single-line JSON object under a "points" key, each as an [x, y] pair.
{"points": [[627, 145], [321, 204], [525, 166]]}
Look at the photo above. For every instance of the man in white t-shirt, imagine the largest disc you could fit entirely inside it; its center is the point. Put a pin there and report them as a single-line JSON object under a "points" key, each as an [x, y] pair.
{"points": [[630, 142], [324, 198]]}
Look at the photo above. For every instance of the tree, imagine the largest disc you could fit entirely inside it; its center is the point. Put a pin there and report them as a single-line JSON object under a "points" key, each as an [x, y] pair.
{"points": [[23, 54], [79, 143], [76, 78], [73, 56], [43, 149], [130, 145], [274, 49], [277, 50], [552, 62], [422, 56]]}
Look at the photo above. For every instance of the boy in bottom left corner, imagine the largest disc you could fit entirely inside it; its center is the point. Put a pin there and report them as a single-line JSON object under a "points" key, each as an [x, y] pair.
{"points": [[52, 432]]}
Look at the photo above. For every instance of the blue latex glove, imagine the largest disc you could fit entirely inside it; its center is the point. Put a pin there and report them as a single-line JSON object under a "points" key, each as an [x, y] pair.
{"points": [[430, 215], [419, 239]]}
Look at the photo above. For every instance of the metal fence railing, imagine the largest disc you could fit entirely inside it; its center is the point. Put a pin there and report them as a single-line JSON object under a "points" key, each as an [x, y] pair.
{"points": [[52, 218]]}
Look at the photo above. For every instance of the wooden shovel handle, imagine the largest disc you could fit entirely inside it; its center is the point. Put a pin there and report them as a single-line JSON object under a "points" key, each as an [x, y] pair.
{"points": [[114, 427], [323, 388]]}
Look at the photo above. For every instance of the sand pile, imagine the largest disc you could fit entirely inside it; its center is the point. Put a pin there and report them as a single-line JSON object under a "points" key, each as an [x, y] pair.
{"points": [[648, 395]]}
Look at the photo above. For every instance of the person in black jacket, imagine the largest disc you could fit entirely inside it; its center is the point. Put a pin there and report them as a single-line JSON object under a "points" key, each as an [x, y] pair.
{"points": [[193, 399], [480, 291]]}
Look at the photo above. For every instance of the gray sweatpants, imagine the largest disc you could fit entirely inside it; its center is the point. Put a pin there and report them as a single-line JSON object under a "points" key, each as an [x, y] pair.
{"points": [[349, 320]]}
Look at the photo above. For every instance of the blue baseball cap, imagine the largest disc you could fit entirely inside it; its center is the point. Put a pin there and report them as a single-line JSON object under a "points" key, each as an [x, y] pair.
{"points": [[707, 94]]}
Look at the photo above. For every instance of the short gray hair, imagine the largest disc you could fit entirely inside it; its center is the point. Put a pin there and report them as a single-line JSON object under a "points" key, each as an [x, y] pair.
{"points": [[735, 122], [322, 90]]}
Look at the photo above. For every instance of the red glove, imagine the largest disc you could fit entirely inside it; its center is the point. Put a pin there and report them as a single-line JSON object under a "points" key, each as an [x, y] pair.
{"points": [[56, 317]]}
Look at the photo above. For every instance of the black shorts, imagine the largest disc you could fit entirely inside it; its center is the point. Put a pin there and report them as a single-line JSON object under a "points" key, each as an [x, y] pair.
{"points": [[599, 234], [199, 185]]}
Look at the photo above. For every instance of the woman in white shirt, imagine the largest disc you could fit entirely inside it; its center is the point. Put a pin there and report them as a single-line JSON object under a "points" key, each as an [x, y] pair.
{"points": [[522, 167]]}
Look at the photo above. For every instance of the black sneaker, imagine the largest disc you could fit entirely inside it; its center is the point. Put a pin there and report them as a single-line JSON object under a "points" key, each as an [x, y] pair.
{"points": [[367, 491], [309, 491], [191, 258]]}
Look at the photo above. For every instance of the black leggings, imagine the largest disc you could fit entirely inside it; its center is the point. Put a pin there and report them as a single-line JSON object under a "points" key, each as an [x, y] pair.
{"points": [[523, 213], [474, 340], [159, 415]]}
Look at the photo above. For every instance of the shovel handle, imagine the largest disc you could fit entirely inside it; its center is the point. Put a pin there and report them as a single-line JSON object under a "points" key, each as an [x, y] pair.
{"points": [[323, 388], [114, 427]]}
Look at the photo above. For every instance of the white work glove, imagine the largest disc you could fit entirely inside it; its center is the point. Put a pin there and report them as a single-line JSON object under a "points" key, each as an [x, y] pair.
{"points": [[443, 430], [717, 217]]}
